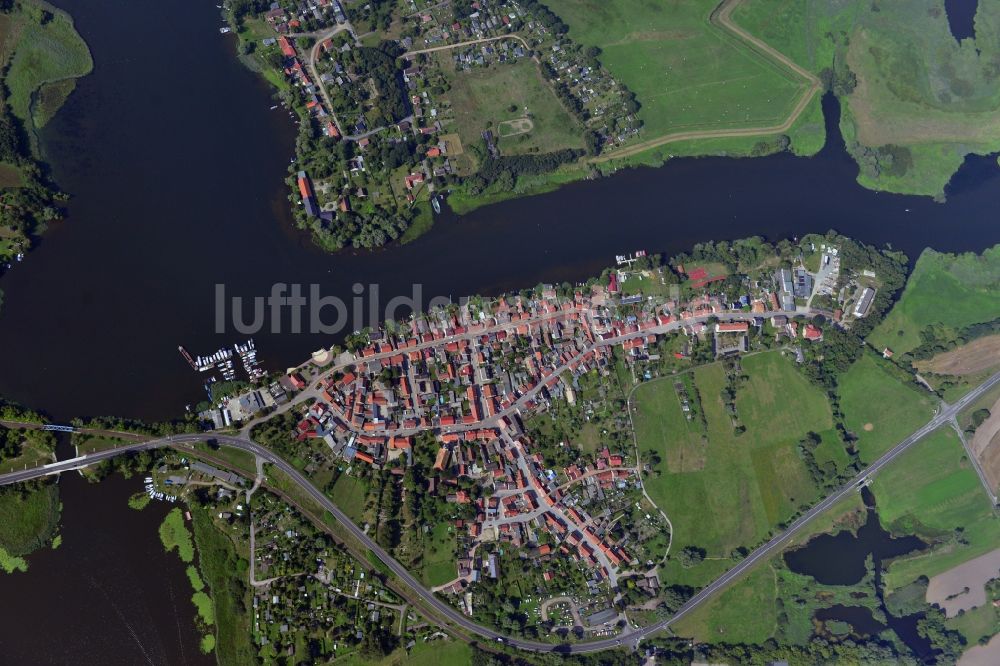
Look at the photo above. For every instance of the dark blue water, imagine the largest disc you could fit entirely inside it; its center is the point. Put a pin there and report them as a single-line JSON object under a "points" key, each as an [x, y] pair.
{"points": [[839, 559], [176, 164], [962, 18]]}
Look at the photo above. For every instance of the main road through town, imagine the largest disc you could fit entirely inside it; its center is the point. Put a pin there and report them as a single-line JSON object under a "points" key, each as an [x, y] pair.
{"points": [[944, 415]]}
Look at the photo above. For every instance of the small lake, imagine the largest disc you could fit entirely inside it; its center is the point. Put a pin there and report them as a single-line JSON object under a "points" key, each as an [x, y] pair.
{"points": [[110, 594], [962, 18], [839, 559]]}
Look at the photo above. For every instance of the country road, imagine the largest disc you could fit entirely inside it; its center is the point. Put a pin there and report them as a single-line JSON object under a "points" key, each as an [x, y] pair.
{"points": [[722, 17], [944, 416]]}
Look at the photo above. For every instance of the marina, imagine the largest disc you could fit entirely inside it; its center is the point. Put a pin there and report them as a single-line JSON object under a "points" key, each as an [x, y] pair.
{"points": [[222, 361]]}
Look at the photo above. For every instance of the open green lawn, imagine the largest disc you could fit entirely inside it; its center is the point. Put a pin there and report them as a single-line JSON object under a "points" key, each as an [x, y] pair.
{"points": [[685, 72], [932, 490], [744, 613], [482, 99], [28, 521], [350, 495], [438, 564], [880, 409], [44, 54], [748, 483], [946, 289]]}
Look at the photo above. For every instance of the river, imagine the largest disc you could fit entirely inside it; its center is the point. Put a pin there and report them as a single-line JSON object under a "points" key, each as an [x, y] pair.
{"points": [[110, 594], [175, 164]]}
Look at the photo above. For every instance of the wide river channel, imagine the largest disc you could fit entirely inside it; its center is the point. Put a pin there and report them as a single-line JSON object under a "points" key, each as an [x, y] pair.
{"points": [[175, 164]]}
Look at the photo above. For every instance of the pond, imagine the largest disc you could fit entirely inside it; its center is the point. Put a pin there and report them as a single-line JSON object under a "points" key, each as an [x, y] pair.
{"points": [[962, 18]]}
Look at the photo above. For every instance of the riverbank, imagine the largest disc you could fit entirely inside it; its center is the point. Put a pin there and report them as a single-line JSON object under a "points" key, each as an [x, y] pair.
{"points": [[41, 58]]}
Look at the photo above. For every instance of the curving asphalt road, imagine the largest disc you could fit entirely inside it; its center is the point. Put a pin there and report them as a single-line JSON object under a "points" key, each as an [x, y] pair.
{"points": [[946, 413]]}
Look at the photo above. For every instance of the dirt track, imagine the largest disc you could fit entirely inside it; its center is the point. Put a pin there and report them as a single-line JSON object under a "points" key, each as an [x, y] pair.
{"points": [[723, 18]]}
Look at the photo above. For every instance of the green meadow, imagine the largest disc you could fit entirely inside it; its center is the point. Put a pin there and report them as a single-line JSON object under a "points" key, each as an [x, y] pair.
{"points": [[933, 491], [746, 483], [947, 290], [687, 73], [880, 409], [48, 56]]}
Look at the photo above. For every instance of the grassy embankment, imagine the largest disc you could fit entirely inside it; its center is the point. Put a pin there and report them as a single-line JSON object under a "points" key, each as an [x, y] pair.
{"points": [[440, 652], [28, 520], [921, 101], [748, 483]]}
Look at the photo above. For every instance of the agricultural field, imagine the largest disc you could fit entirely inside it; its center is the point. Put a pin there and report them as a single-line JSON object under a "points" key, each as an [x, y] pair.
{"points": [[933, 491], [514, 102], [750, 482], [952, 291], [879, 408], [918, 100], [980, 355], [686, 72]]}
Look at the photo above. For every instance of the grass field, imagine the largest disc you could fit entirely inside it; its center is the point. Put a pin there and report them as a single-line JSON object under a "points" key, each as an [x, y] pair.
{"points": [[750, 611], [945, 289], [482, 98], [932, 491], [224, 570], [27, 523], [45, 53], [748, 483], [438, 564], [880, 409], [916, 85], [350, 495], [744, 613], [686, 73]]}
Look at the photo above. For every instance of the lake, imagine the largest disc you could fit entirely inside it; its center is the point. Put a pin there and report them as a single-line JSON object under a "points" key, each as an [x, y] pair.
{"points": [[175, 164]]}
